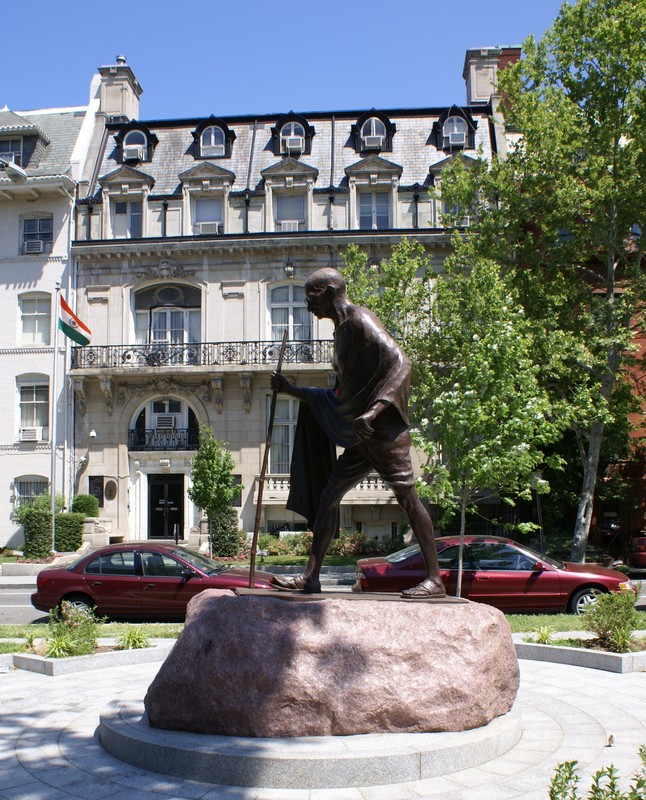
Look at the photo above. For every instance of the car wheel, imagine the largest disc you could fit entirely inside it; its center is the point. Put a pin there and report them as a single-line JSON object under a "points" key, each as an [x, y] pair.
{"points": [[80, 601], [583, 599]]}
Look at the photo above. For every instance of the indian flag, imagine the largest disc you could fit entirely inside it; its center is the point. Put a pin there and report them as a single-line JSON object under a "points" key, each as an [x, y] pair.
{"points": [[72, 326]]}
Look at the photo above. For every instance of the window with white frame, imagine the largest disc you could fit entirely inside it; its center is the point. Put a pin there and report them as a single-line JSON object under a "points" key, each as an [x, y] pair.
{"points": [[27, 488], [11, 150], [374, 210], [208, 215], [35, 319], [373, 134], [37, 234], [289, 312], [127, 219], [455, 133], [212, 142], [289, 212], [34, 411], [292, 138], [169, 314], [135, 146], [282, 440]]}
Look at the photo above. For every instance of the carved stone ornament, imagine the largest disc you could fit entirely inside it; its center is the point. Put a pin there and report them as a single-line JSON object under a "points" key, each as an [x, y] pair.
{"points": [[218, 392], [164, 270], [245, 386], [106, 388], [164, 385], [78, 384]]}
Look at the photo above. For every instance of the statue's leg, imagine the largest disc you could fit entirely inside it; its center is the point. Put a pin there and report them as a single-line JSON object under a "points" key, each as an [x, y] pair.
{"points": [[347, 472]]}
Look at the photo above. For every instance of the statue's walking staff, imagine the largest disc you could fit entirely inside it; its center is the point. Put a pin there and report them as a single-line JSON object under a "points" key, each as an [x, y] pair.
{"points": [[263, 471]]}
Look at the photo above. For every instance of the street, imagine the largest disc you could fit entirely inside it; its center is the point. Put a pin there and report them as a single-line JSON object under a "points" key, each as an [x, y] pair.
{"points": [[16, 608]]}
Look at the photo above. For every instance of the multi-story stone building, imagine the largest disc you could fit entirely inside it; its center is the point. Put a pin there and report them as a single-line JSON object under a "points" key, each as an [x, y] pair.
{"points": [[191, 251], [43, 158]]}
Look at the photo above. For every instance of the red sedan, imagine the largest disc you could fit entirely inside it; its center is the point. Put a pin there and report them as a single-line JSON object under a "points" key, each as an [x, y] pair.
{"points": [[636, 558], [496, 571], [138, 580]]}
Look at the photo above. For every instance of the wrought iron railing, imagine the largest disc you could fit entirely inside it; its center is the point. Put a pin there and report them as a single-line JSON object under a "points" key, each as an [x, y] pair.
{"points": [[162, 439], [201, 354]]}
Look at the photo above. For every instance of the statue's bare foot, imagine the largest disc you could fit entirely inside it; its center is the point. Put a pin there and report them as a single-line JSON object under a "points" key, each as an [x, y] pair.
{"points": [[431, 587], [296, 583]]}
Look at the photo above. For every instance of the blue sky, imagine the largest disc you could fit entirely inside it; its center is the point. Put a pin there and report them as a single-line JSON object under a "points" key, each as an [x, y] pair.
{"points": [[228, 57]]}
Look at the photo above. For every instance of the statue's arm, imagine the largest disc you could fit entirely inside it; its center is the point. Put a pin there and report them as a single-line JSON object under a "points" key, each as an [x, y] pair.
{"points": [[363, 424], [279, 383]]}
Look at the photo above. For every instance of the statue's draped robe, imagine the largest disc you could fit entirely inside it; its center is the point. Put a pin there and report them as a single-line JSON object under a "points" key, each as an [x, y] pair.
{"points": [[370, 367]]}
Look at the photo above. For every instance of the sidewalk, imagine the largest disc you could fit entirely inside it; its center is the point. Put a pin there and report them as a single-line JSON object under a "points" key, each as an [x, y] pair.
{"points": [[49, 749]]}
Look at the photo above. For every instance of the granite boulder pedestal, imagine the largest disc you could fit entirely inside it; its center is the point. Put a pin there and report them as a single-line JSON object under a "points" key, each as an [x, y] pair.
{"points": [[264, 664]]}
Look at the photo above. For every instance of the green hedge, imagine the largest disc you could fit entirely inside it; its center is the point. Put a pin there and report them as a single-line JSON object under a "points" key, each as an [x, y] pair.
{"points": [[86, 504], [38, 533], [69, 532]]}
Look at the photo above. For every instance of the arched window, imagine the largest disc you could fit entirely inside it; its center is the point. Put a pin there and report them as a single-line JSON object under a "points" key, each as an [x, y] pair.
{"points": [[455, 132], [135, 146], [292, 138], [212, 142], [164, 423], [289, 312], [373, 134], [168, 318]]}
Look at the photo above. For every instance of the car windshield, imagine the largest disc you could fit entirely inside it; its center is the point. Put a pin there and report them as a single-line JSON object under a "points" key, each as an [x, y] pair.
{"points": [[199, 561], [402, 555]]}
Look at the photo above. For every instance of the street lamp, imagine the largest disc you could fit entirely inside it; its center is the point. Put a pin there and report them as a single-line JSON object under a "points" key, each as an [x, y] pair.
{"points": [[14, 172]]}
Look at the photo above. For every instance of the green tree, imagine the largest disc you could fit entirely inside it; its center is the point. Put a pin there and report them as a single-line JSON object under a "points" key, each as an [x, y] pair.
{"points": [[214, 490], [481, 417], [563, 213]]}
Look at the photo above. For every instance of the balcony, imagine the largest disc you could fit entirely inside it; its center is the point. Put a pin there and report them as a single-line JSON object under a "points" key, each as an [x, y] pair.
{"points": [[200, 354], [370, 491], [162, 439]]}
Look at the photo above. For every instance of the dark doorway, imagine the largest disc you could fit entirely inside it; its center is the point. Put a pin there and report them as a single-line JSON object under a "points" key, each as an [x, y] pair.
{"points": [[165, 506]]}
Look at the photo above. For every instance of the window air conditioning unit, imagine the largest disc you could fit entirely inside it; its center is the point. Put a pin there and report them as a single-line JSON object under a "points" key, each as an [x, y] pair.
{"points": [[165, 422], [289, 225], [33, 246], [208, 227], [294, 144], [31, 434], [133, 153], [373, 142], [213, 150], [457, 138]]}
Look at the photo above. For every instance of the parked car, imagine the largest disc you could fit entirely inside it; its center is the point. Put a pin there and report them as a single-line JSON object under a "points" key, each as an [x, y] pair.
{"points": [[636, 557], [496, 571], [138, 580]]}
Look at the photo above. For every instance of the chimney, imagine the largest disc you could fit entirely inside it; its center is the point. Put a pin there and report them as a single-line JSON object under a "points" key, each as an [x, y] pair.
{"points": [[481, 67], [120, 91]]}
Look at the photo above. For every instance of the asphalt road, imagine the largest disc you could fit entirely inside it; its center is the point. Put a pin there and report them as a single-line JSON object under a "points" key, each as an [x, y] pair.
{"points": [[16, 608]]}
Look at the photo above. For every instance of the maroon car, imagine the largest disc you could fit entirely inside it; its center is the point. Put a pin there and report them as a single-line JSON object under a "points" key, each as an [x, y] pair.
{"points": [[636, 558], [138, 580], [496, 571]]}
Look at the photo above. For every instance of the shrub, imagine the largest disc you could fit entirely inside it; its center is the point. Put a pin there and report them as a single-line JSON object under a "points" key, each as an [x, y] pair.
{"points": [[133, 639], [69, 532], [86, 504], [225, 538], [605, 785], [613, 618], [38, 533], [354, 544], [71, 631]]}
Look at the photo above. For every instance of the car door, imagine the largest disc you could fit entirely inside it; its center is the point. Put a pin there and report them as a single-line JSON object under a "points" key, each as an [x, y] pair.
{"points": [[505, 577], [166, 590], [112, 580]]}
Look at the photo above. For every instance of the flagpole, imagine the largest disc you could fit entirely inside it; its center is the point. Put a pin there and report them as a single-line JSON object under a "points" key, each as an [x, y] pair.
{"points": [[54, 418]]}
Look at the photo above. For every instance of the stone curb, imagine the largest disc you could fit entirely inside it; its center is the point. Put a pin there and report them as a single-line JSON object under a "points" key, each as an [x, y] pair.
{"points": [[158, 651], [304, 762], [580, 657]]}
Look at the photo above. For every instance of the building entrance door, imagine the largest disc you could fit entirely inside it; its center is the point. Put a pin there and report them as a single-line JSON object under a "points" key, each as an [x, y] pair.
{"points": [[165, 506]]}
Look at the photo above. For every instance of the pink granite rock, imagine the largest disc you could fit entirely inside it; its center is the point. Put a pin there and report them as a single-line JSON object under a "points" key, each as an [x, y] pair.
{"points": [[273, 667]]}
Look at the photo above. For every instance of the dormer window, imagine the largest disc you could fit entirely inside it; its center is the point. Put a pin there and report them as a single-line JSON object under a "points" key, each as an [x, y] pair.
{"points": [[373, 134], [135, 146], [213, 142], [292, 139], [455, 133], [11, 151]]}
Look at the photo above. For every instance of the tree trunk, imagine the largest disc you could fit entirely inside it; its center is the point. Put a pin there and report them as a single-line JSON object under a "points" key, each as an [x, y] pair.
{"points": [[586, 499], [463, 524]]}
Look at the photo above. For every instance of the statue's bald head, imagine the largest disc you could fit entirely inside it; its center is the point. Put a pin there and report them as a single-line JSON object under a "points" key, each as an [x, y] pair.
{"points": [[323, 278]]}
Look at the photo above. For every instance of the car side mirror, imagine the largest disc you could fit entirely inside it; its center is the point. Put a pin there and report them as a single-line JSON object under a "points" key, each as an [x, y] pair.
{"points": [[187, 574], [538, 566]]}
